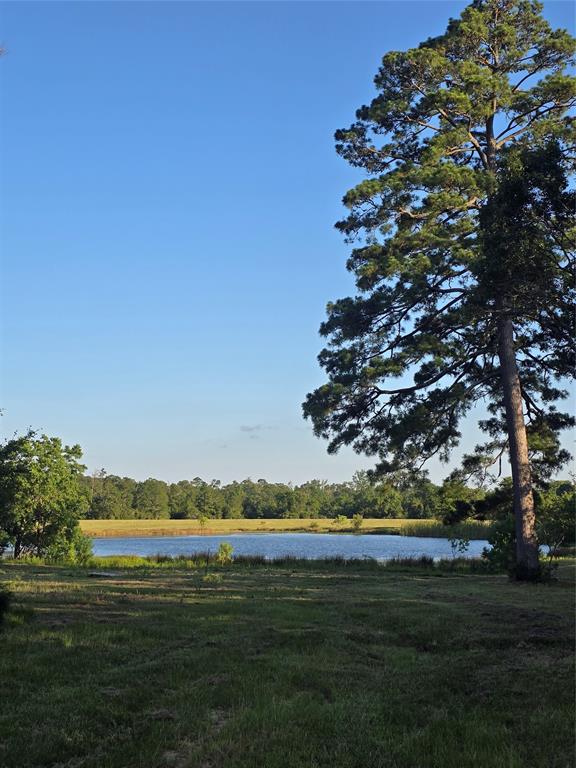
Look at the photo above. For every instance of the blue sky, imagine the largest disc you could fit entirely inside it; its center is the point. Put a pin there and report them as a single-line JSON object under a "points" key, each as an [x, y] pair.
{"points": [[169, 189]]}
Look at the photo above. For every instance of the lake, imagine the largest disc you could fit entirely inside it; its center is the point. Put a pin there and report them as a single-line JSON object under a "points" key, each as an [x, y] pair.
{"points": [[313, 546]]}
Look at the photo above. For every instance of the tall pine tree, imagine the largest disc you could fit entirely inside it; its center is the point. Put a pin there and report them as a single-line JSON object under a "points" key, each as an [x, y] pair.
{"points": [[463, 233]]}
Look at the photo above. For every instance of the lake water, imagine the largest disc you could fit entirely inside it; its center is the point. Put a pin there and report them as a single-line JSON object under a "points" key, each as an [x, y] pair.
{"points": [[303, 545]]}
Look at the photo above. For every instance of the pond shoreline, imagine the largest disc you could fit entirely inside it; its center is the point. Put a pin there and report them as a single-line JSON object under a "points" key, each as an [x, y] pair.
{"points": [[240, 532]]}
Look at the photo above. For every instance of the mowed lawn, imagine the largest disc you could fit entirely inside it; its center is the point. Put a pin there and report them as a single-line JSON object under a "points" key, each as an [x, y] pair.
{"points": [[285, 667], [192, 527]]}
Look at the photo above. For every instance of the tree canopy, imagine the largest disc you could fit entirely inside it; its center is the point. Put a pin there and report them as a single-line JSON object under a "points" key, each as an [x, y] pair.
{"points": [[124, 498], [41, 499], [463, 257]]}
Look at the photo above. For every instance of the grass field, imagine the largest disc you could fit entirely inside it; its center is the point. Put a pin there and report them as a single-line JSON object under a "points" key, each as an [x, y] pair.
{"points": [[111, 528], [308, 666]]}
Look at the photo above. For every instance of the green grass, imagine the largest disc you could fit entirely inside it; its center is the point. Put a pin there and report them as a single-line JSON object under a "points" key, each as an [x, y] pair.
{"points": [[303, 665]]}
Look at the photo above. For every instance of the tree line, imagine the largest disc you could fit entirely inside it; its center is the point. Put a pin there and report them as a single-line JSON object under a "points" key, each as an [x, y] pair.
{"points": [[44, 492], [114, 497]]}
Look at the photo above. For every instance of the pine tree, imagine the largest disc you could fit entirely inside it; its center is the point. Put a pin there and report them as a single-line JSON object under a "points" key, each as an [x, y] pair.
{"points": [[465, 275]]}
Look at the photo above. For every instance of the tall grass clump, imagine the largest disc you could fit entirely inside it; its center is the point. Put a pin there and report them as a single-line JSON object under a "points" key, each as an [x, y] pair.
{"points": [[462, 565], [287, 560], [436, 529], [425, 561], [442, 565], [250, 560]]}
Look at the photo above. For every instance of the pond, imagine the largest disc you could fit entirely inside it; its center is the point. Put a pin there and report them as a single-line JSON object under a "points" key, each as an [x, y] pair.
{"points": [[313, 546]]}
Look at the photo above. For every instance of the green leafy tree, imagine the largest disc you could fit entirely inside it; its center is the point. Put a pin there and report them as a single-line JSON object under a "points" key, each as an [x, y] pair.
{"points": [[343, 501], [388, 502], [233, 499], [456, 500], [420, 496], [209, 501], [110, 497], [463, 257], [182, 500], [41, 497], [313, 498], [557, 516], [151, 499]]}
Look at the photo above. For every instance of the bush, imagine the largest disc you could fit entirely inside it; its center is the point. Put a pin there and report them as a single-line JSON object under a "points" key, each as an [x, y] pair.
{"points": [[224, 554], [555, 523], [71, 547], [502, 556], [357, 521], [212, 578]]}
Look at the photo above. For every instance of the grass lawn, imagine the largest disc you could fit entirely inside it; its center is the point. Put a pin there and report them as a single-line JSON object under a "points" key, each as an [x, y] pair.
{"points": [[285, 667], [108, 528]]}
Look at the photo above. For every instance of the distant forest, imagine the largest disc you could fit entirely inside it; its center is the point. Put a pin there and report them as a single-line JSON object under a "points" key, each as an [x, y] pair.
{"points": [[124, 498]]}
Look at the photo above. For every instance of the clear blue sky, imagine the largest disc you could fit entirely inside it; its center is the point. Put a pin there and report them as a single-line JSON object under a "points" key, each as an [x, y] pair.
{"points": [[169, 193]]}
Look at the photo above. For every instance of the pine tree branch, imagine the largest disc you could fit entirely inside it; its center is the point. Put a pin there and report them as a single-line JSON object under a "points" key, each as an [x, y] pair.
{"points": [[536, 116]]}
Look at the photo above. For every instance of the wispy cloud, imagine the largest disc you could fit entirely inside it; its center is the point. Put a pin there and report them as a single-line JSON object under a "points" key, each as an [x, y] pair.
{"points": [[254, 429]]}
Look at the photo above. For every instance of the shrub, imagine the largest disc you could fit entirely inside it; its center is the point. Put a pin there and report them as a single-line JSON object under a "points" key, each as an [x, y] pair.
{"points": [[224, 554], [502, 556], [357, 522], [70, 546], [212, 578], [555, 520]]}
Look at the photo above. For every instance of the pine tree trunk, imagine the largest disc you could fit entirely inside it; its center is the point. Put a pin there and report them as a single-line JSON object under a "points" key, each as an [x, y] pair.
{"points": [[527, 567]]}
